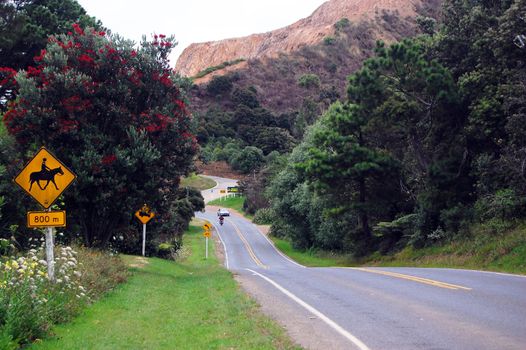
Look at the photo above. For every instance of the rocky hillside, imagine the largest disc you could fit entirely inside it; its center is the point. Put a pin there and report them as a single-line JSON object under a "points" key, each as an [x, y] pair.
{"points": [[308, 31]]}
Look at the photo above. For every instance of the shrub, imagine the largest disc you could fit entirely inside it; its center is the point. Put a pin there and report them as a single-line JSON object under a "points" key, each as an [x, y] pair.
{"points": [[329, 40], [249, 159], [264, 216], [309, 80], [30, 304], [219, 85], [342, 23], [503, 204]]}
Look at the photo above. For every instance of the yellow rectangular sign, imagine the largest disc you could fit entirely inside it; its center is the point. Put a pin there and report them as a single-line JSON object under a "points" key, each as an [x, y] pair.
{"points": [[46, 219]]}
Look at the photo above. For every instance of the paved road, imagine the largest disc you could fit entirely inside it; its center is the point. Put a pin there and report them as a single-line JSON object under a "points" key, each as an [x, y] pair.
{"points": [[221, 183], [376, 308]]}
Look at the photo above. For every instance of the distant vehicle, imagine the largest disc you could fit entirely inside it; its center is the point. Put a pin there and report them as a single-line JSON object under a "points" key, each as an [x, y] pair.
{"points": [[223, 212]]}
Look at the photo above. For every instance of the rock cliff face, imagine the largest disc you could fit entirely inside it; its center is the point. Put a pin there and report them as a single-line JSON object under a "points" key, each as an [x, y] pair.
{"points": [[307, 31]]}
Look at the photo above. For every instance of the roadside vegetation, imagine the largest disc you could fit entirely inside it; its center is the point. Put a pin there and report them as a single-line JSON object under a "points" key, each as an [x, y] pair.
{"points": [[494, 246], [235, 203], [424, 151], [30, 304], [189, 304]]}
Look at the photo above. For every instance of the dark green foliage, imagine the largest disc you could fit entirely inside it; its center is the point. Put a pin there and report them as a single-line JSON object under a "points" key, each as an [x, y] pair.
{"points": [[308, 81], [220, 84], [26, 24], [342, 24], [432, 138], [329, 40], [248, 160], [245, 97], [427, 25]]}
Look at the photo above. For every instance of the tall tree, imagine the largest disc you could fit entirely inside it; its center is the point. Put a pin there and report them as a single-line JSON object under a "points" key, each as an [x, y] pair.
{"points": [[117, 116], [344, 165], [25, 26]]}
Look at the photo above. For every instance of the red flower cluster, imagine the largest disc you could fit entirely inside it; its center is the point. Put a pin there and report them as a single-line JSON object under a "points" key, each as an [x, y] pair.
{"points": [[163, 79], [86, 60], [67, 125], [7, 76], [109, 159], [78, 29], [75, 104], [136, 77], [40, 57], [33, 72], [157, 122], [10, 120]]}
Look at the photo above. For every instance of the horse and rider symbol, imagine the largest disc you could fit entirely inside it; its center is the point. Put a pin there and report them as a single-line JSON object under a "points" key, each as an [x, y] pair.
{"points": [[45, 174]]}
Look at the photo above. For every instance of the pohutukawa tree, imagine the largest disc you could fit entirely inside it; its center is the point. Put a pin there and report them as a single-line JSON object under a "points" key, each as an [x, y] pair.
{"points": [[116, 115]]}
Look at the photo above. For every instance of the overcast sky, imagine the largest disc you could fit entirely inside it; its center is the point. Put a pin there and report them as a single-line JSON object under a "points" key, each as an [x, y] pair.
{"points": [[194, 21]]}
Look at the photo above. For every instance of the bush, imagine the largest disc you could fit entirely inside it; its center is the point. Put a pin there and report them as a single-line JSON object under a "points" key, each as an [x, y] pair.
{"points": [[329, 40], [219, 85], [308, 81], [342, 23], [503, 204], [264, 216], [30, 304], [249, 159]]}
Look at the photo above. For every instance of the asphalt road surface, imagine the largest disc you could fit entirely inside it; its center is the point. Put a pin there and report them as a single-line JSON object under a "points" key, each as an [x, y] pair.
{"points": [[376, 308]]}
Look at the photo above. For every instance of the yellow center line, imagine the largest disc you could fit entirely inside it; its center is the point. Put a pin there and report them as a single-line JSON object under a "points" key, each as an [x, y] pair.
{"points": [[414, 278], [249, 248]]}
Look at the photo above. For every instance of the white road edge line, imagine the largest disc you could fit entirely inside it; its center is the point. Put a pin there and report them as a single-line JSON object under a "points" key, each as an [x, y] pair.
{"points": [[315, 312], [224, 247], [278, 251]]}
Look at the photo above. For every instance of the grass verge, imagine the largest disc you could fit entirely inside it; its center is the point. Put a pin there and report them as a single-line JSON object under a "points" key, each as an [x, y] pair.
{"points": [[235, 203], [485, 249], [196, 181], [192, 304]]}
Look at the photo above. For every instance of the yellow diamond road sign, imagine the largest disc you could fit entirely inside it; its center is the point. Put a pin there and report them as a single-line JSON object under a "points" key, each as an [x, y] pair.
{"points": [[44, 178], [144, 214]]}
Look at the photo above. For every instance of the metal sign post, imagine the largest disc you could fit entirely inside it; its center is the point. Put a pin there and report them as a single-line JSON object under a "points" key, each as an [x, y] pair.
{"points": [[206, 254], [50, 255], [143, 238]]}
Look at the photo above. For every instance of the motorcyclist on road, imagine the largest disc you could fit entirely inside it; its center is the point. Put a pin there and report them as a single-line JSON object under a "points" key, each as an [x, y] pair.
{"points": [[221, 219]]}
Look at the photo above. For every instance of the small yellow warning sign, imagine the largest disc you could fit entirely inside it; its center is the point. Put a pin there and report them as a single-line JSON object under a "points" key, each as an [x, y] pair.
{"points": [[144, 214]]}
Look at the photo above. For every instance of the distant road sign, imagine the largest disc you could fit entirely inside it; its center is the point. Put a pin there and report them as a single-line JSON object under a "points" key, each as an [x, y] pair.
{"points": [[144, 214], [207, 227], [222, 191], [207, 234], [233, 189], [45, 178], [46, 219]]}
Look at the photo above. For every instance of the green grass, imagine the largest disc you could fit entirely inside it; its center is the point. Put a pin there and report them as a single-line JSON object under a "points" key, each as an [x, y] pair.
{"points": [[235, 203], [214, 68], [485, 249], [309, 258], [199, 182], [192, 304]]}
